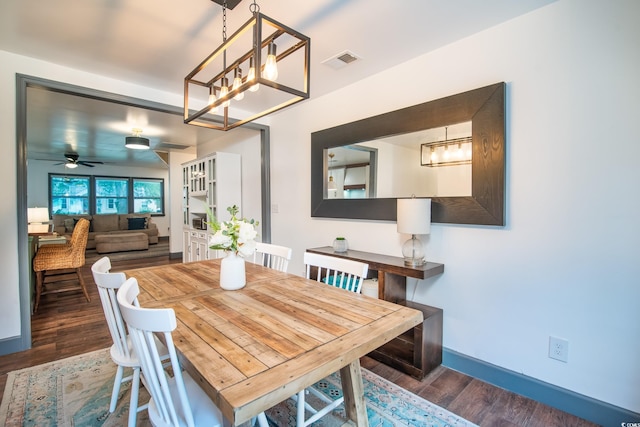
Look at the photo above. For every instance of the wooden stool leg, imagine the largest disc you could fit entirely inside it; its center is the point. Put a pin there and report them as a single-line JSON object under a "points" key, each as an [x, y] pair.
{"points": [[82, 284], [39, 280]]}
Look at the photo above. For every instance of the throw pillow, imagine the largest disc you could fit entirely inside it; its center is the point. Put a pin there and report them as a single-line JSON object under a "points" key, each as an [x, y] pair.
{"points": [[75, 221], [69, 225], [137, 223]]}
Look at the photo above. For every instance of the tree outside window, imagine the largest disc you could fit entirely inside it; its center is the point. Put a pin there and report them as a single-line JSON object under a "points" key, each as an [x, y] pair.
{"points": [[83, 195], [148, 196], [112, 195], [69, 194]]}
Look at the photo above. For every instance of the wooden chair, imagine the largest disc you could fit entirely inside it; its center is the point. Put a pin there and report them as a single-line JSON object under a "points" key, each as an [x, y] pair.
{"points": [[53, 261], [178, 400], [341, 273], [121, 351], [272, 256]]}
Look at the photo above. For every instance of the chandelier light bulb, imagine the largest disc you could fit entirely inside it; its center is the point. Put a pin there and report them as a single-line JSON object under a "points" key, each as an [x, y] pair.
{"points": [[459, 152], [251, 76], [271, 67], [224, 90], [212, 99], [445, 156], [434, 156], [237, 82]]}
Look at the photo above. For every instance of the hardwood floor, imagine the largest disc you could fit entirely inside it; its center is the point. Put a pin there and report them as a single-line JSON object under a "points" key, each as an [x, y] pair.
{"points": [[67, 325]]}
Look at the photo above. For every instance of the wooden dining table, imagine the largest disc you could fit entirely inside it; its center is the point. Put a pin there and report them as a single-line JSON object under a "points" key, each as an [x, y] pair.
{"points": [[252, 348]]}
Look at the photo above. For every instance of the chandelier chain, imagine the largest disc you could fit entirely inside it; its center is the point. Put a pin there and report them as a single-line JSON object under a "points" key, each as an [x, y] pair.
{"points": [[254, 8], [224, 21]]}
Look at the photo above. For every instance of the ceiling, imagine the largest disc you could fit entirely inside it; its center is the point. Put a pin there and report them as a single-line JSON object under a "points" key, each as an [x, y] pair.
{"points": [[156, 43]]}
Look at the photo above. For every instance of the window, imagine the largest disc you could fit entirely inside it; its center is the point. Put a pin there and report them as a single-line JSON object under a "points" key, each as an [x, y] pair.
{"points": [[112, 195], [69, 194], [148, 195], [83, 195]]}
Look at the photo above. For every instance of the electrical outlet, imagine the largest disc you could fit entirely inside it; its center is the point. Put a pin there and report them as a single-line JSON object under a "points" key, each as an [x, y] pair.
{"points": [[559, 349]]}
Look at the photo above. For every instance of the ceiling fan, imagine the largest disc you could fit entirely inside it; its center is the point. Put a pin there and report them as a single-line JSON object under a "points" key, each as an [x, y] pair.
{"points": [[73, 162]]}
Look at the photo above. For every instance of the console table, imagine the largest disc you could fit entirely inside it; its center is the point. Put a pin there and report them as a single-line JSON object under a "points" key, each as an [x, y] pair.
{"points": [[419, 350]]}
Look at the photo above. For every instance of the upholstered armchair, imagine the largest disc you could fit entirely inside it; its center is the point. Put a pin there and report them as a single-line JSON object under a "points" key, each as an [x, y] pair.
{"points": [[53, 262]]}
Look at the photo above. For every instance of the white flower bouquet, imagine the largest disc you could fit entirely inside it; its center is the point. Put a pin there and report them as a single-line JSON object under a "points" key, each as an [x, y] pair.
{"points": [[235, 235]]}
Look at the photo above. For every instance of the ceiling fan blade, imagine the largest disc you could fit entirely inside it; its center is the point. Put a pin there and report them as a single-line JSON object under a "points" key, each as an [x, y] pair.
{"points": [[88, 164]]}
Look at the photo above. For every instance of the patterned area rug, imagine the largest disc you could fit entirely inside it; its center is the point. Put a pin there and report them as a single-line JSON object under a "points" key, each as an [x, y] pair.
{"points": [[76, 392]]}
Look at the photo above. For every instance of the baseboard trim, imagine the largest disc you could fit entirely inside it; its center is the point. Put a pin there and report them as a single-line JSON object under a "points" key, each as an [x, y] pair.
{"points": [[574, 403], [175, 255], [11, 345]]}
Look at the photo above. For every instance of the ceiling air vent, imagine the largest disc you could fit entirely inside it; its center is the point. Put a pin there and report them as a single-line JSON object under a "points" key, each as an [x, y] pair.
{"points": [[341, 60]]}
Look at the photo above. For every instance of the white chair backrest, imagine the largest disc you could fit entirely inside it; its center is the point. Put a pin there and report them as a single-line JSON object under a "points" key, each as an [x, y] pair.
{"points": [[272, 256], [108, 284], [339, 272], [143, 323]]}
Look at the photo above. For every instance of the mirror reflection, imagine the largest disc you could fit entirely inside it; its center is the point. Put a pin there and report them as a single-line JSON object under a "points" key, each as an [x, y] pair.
{"points": [[429, 163]]}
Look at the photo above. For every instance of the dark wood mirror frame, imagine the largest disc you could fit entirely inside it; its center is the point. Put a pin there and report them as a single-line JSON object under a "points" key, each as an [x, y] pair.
{"points": [[483, 106]]}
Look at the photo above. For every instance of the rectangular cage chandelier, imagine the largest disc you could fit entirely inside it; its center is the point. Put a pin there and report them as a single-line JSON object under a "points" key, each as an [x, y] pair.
{"points": [[262, 68]]}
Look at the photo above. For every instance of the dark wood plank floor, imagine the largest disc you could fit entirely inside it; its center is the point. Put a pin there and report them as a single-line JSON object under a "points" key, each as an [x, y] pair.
{"points": [[67, 325]]}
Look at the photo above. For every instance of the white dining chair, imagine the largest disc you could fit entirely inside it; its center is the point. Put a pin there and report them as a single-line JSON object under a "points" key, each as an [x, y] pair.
{"points": [[175, 401], [341, 273], [272, 256], [121, 351]]}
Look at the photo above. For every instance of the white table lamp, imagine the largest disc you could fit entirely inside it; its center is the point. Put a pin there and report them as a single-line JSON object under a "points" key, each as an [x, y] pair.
{"points": [[38, 220], [414, 217]]}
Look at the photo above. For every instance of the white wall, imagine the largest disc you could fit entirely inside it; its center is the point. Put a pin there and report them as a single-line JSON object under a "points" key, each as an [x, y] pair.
{"points": [[38, 187], [566, 263]]}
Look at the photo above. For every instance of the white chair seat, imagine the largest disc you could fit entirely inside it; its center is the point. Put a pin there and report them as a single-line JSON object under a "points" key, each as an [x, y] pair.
{"points": [[131, 360], [205, 413]]}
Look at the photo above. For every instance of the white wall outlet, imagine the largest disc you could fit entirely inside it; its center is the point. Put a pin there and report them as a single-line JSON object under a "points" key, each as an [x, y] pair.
{"points": [[559, 349]]}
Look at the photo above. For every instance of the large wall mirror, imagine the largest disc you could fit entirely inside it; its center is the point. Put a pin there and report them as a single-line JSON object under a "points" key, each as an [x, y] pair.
{"points": [[450, 149]]}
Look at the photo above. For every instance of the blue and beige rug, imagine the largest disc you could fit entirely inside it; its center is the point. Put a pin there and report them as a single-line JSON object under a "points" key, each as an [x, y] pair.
{"points": [[76, 392]]}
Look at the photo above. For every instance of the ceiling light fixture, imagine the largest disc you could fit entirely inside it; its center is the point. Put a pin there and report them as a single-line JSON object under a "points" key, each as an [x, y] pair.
{"points": [[260, 37], [137, 142]]}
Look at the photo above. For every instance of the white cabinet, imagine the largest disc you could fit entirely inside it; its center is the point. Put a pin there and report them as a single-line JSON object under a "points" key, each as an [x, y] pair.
{"points": [[209, 183]]}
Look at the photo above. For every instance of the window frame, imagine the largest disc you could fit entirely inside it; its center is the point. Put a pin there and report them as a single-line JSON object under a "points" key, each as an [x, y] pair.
{"points": [[92, 192], [132, 203], [79, 176]]}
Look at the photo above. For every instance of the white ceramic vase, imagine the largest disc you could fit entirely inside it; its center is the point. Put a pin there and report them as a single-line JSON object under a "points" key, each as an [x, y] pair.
{"points": [[232, 274]]}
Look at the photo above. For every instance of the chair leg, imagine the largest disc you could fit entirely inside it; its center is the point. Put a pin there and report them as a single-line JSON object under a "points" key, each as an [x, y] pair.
{"points": [[39, 281], [300, 409], [116, 388], [262, 420], [83, 285], [133, 402]]}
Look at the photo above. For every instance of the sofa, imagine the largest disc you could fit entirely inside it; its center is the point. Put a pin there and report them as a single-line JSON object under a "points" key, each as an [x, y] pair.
{"points": [[110, 224]]}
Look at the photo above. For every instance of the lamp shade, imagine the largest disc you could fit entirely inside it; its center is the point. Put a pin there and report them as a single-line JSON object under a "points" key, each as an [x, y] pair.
{"points": [[38, 220], [137, 143], [37, 215], [414, 216]]}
